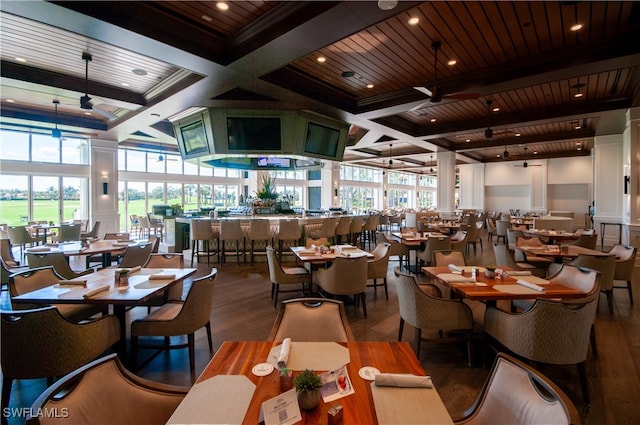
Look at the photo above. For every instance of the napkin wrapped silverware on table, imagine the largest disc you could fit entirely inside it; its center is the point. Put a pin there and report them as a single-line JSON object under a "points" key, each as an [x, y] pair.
{"points": [[96, 291], [403, 380], [74, 283], [285, 348], [530, 285], [161, 276], [518, 273]]}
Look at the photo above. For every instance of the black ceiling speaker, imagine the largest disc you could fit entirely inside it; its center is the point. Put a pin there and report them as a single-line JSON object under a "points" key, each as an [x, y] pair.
{"points": [[85, 101], [56, 133], [505, 154]]}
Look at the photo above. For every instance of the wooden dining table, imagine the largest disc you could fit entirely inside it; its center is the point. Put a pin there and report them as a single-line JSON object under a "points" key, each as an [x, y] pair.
{"points": [[414, 242], [493, 289], [551, 236], [106, 248], [558, 253], [141, 289], [235, 361]]}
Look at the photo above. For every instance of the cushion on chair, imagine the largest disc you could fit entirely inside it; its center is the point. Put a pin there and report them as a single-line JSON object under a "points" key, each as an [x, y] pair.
{"points": [[302, 323], [167, 311]]}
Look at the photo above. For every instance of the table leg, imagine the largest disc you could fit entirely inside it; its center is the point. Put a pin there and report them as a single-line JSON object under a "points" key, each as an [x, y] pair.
{"points": [[120, 311], [106, 259]]}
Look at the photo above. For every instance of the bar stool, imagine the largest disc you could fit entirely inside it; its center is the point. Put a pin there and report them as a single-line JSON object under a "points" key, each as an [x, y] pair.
{"points": [[260, 231], [369, 229], [328, 230], [355, 229], [231, 231], [342, 229], [201, 231], [288, 231]]}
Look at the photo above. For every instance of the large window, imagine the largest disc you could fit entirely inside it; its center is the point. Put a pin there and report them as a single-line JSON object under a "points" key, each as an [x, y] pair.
{"points": [[428, 192], [358, 199], [20, 146], [14, 199]]}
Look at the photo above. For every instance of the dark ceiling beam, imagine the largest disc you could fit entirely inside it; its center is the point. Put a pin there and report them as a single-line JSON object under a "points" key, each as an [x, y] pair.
{"points": [[524, 140], [20, 72], [530, 158], [25, 113]]}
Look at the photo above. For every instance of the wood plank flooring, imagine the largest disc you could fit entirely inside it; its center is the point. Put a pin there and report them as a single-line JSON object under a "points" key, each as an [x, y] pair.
{"points": [[243, 310]]}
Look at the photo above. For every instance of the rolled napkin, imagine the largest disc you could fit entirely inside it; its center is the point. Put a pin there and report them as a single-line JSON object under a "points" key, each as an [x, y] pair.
{"points": [[124, 240], [39, 249], [120, 245], [530, 285], [134, 269], [454, 268], [404, 380], [75, 283], [285, 348], [96, 291], [162, 276], [518, 273], [307, 252]]}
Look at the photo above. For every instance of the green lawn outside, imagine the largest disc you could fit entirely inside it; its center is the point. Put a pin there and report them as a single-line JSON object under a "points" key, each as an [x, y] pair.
{"points": [[11, 211]]}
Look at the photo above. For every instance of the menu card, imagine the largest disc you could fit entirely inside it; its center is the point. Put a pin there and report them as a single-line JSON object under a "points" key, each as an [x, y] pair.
{"points": [[281, 410], [335, 384]]}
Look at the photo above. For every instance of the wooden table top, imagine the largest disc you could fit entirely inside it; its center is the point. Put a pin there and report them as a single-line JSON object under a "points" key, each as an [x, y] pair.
{"points": [[76, 248], [238, 358], [308, 255], [554, 251], [140, 288], [489, 293], [551, 234]]}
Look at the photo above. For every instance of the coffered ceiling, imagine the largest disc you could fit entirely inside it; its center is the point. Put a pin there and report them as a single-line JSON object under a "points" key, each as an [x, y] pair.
{"points": [[152, 60]]}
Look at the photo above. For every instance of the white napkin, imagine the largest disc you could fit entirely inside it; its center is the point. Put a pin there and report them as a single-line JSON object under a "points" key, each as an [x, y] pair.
{"points": [[455, 268], [160, 276], [402, 380], [307, 252], [95, 291], [455, 278], [518, 273], [39, 249], [283, 358], [75, 283], [134, 269], [530, 285]]}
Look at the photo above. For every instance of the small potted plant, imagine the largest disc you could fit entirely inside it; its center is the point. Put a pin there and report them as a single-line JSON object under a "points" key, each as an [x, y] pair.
{"points": [[308, 386], [490, 272]]}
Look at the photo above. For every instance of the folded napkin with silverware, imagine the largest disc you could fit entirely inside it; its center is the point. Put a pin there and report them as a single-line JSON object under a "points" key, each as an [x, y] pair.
{"points": [[530, 285], [285, 348], [162, 276], [454, 268], [518, 273], [133, 269], [402, 380], [39, 249], [96, 291]]}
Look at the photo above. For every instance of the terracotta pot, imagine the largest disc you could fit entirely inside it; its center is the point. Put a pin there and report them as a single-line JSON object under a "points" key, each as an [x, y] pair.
{"points": [[309, 399]]}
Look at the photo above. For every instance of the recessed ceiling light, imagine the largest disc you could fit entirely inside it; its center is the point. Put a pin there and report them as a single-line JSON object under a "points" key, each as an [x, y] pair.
{"points": [[369, 86], [222, 5], [413, 20], [452, 62], [21, 59], [433, 120], [468, 140], [535, 152], [139, 71], [321, 59], [517, 134], [206, 18], [498, 156], [87, 113], [578, 127], [125, 84], [10, 100], [577, 95], [496, 109], [576, 27]]}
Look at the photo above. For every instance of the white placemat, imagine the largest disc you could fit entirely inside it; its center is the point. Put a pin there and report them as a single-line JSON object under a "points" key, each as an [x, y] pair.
{"points": [[406, 406], [222, 399], [455, 278], [313, 355], [515, 289], [534, 279]]}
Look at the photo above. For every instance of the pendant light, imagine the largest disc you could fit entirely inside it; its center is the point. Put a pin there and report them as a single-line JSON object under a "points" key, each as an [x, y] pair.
{"points": [[431, 162], [56, 133]]}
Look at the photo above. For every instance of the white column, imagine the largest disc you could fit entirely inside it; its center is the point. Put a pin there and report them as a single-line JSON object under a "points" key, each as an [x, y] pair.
{"points": [[104, 175], [331, 185], [608, 185], [631, 162], [472, 186], [446, 182]]}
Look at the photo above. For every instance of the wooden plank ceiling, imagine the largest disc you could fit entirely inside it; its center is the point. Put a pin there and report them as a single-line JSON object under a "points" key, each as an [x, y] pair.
{"points": [[517, 56]]}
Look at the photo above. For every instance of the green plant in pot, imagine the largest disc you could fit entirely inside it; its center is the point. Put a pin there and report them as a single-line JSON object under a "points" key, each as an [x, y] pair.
{"points": [[308, 386], [490, 271]]}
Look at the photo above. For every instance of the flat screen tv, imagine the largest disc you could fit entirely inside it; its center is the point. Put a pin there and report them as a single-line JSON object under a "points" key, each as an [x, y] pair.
{"points": [[269, 162], [321, 140], [194, 136], [254, 134]]}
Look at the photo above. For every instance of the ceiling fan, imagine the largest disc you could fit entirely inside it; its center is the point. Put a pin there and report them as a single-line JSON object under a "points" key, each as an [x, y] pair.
{"points": [[525, 164], [56, 132], [489, 132], [86, 101], [162, 158], [435, 94]]}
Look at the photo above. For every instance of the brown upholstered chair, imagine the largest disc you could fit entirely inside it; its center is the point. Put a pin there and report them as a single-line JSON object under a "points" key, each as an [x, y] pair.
{"points": [[378, 266], [178, 317], [260, 233], [346, 276], [587, 241], [94, 233], [202, 237], [516, 393], [327, 230], [433, 244], [7, 254], [310, 320], [104, 392], [41, 343], [396, 249], [170, 261], [58, 261], [625, 262], [289, 234], [504, 258], [68, 233], [342, 229], [285, 276], [32, 279], [426, 310], [231, 232], [136, 255], [444, 258], [536, 335]]}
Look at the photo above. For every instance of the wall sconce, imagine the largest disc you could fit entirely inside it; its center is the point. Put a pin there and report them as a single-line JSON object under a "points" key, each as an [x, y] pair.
{"points": [[335, 192], [105, 184]]}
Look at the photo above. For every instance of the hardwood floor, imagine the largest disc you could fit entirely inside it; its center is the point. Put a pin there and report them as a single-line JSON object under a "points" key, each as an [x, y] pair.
{"points": [[243, 310]]}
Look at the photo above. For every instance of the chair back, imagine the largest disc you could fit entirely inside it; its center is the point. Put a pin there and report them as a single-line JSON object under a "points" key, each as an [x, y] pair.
{"points": [[444, 258], [434, 244], [501, 227], [136, 255], [170, 261], [491, 225], [231, 230], [19, 235], [201, 230], [260, 229], [625, 261], [377, 266], [196, 310], [356, 224], [289, 229], [328, 229], [40, 343], [395, 247], [94, 231], [460, 243], [586, 280], [504, 257], [93, 390], [315, 242], [516, 393], [155, 241], [69, 232], [6, 254], [311, 320], [342, 228], [55, 259], [513, 235], [606, 265], [587, 241], [30, 280], [346, 276], [276, 274], [372, 222]]}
